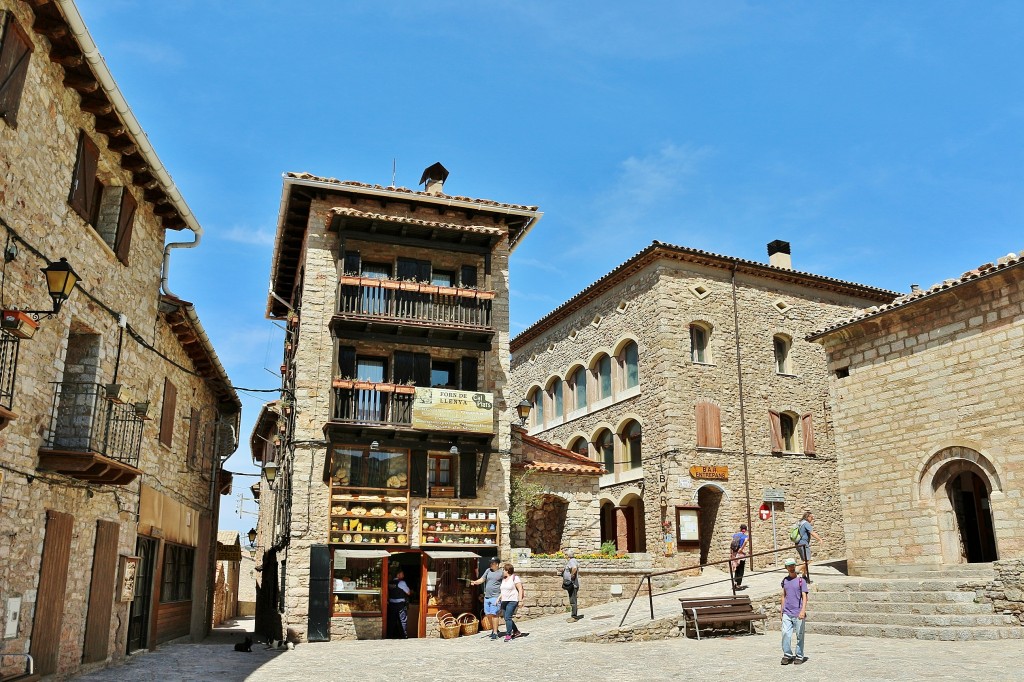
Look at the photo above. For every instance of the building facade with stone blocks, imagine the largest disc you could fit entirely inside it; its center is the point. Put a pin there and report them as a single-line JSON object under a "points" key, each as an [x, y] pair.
{"points": [[115, 410], [687, 376], [395, 451], [928, 422]]}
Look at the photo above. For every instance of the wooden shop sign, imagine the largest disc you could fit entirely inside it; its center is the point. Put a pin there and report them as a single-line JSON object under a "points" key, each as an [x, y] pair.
{"points": [[710, 473]]}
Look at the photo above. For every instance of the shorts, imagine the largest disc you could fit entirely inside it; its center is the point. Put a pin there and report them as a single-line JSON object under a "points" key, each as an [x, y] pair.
{"points": [[804, 552], [490, 606]]}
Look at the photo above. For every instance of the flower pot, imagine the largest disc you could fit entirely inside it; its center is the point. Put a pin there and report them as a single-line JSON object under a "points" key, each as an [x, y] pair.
{"points": [[342, 383], [385, 388], [409, 286], [447, 291], [19, 324], [466, 293], [117, 393], [362, 385], [142, 410], [390, 284], [430, 289], [350, 280], [485, 295], [404, 389]]}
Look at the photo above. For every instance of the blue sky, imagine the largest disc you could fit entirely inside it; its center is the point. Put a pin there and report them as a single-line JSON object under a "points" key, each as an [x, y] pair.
{"points": [[884, 140]]}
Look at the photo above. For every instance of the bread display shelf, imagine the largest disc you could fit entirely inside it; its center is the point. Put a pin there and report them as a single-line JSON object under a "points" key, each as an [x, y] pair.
{"points": [[459, 526]]}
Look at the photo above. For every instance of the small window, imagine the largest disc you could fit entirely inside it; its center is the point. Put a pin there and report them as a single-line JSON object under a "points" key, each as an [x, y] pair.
{"points": [[15, 51], [440, 470], [631, 437], [782, 306], [443, 278], [580, 446], [631, 364], [605, 445], [538, 407], [622, 307], [700, 291], [603, 370], [842, 372], [699, 338], [442, 374], [782, 346], [176, 583], [556, 398], [579, 387]]}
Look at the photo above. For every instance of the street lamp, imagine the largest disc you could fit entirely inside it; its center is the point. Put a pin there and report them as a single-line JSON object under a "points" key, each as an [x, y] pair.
{"points": [[523, 409], [60, 282], [270, 471], [252, 536]]}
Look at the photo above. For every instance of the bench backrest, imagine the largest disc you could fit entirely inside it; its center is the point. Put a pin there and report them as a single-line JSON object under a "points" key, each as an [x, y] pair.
{"points": [[713, 602]]}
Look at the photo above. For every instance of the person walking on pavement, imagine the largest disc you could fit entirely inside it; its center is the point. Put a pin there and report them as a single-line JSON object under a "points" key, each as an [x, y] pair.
{"points": [[511, 594], [398, 606], [571, 582], [803, 544], [794, 614], [491, 580], [738, 555]]}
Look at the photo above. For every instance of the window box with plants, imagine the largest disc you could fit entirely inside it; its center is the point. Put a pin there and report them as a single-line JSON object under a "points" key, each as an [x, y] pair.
{"points": [[19, 323]]}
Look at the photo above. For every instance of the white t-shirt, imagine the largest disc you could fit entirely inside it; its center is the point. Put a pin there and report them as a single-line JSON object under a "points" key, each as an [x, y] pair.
{"points": [[508, 588]]}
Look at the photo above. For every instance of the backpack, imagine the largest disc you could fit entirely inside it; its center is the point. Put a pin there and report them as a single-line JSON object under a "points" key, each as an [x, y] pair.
{"points": [[735, 545], [794, 534]]}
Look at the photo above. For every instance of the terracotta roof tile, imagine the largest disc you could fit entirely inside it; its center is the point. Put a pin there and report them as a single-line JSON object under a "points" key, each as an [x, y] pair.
{"points": [[356, 213], [1008, 261], [566, 468], [571, 462]]}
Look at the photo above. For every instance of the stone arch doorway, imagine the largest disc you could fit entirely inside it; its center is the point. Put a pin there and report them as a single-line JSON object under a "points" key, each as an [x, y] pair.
{"points": [[961, 482], [545, 524], [631, 535], [607, 521], [709, 499]]}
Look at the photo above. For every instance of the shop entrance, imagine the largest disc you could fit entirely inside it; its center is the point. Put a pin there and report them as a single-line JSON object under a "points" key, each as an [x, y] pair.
{"points": [[412, 566], [969, 496], [138, 618], [709, 499]]}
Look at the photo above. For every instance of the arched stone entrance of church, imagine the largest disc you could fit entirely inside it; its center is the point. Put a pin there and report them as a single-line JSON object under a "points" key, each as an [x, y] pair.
{"points": [[961, 482]]}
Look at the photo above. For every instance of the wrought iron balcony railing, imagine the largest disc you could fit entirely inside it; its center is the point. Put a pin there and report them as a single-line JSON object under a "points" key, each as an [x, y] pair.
{"points": [[413, 302], [8, 368], [372, 405], [84, 420]]}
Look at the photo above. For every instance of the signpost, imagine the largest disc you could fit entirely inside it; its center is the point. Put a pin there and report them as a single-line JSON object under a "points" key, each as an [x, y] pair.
{"points": [[771, 496], [714, 473]]}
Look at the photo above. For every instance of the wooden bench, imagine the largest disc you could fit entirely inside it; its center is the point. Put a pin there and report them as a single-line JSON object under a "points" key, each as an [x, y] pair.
{"points": [[709, 611]]}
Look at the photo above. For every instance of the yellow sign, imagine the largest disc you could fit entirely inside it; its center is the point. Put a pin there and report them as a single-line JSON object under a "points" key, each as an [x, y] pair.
{"points": [[442, 409], [710, 473]]}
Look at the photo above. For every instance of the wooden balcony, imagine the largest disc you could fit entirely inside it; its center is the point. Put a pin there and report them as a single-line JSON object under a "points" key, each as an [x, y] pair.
{"points": [[371, 404], [92, 437], [411, 312]]}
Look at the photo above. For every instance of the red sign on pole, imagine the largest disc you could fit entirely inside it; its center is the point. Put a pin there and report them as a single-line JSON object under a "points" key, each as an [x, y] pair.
{"points": [[764, 511]]}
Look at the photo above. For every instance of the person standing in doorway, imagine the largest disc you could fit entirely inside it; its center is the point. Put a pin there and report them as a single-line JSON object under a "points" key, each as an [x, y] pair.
{"points": [[511, 594], [571, 582], [738, 556], [803, 544], [491, 580], [398, 606], [794, 614]]}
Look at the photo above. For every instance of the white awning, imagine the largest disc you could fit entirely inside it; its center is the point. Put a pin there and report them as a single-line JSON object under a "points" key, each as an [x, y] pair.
{"points": [[451, 554], [361, 553]]}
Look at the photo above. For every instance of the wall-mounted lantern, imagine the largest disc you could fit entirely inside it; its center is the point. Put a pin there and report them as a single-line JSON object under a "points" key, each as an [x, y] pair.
{"points": [[61, 280]]}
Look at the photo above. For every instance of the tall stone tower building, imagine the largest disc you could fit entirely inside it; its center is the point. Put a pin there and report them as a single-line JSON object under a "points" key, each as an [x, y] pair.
{"points": [[391, 444]]}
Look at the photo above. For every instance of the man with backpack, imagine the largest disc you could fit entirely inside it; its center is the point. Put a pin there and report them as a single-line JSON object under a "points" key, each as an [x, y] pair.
{"points": [[801, 535], [738, 556], [794, 614]]}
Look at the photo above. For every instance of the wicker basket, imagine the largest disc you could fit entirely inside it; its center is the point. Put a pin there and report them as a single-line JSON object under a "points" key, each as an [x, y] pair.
{"points": [[487, 622], [470, 625], [448, 625]]}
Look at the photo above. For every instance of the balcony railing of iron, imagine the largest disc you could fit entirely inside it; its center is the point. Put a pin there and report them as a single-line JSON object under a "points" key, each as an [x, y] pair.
{"points": [[372, 405], [84, 420], [384, 298], [8, 368]]}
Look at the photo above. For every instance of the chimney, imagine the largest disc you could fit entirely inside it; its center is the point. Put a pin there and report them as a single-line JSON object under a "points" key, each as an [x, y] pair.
{"points": [[915, 287], [778, 255], [433, 178]]}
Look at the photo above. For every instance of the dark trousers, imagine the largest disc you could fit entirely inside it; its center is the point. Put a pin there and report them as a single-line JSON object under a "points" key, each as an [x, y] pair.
{"points": [[573, 593], [508, 609], [398, 620], [738, 574]]}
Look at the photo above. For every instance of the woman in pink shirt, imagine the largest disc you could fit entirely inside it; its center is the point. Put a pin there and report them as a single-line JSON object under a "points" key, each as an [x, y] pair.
{"points": [[511, 595]]}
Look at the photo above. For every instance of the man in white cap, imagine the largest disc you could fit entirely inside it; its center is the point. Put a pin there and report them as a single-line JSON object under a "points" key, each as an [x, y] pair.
{"points": [[794, 614]]}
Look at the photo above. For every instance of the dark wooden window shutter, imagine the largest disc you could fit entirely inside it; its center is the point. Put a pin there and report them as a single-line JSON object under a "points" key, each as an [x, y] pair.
{"points": [[167, 410], [193, 438], [83, 197], [405, 367], [406, 269], [422, 369], [347, 362], [125, 225], [101, 592], [353, 265], [50, 599], [467, 475], [807, 431], [709, 425], [775, 423], [467, 277], [423, 270], [418, 473], [468, 379], [319, 624], [14, 57]]}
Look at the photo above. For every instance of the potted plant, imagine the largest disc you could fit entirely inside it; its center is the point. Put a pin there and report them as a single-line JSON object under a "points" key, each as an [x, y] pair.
{"points": [[342, 382], [466, 292], [293, 318], [427, 288], [385, 387], [362, 385], [408, 388], [447, 291], [485, 295], [19, 324], [286, 406], [390, 283], [350, 280], [142, 410], [117, 393]]}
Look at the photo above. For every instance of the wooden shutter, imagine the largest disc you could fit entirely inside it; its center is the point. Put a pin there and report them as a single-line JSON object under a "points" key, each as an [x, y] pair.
{"points": [[50, 599], [775, 424], [468, 379], [83, 184], [422, 369], [319, 626], [193, 437], [169, 406], [405, 367], [418, 473], [347, 362], [101, 592], [423, 270], [406, 269], [467, 277], [807, 431], [709, 425], [14, 57], [467, 475], [125, 225], [352, 263]]}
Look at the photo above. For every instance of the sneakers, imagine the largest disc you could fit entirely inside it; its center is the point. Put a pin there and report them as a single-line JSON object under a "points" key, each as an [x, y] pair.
{"points": [[508, 638], [573, 619], [786, 660], [799, 661], [494, 635]]}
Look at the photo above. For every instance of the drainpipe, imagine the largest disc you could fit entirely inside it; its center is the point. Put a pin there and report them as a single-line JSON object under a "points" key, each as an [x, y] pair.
{"points": [[743, 419], [99, 68]]}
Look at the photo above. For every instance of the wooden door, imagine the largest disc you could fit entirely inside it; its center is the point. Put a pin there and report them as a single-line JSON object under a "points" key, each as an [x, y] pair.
{"points": [[101, 592], [53, 581], [139, 616]]}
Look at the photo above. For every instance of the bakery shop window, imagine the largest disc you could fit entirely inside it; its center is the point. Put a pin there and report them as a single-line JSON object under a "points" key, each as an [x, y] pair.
{"points": [[378, 469]]}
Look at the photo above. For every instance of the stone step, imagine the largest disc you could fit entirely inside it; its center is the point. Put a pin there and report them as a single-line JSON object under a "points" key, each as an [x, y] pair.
{"points": [[958, 634], [952, 570], [913, 619], [924, 608], [948, 597], [893, 585]]}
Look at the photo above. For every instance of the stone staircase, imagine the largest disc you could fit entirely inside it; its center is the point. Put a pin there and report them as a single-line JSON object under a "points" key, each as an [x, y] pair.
{"points": [[910, 603]]}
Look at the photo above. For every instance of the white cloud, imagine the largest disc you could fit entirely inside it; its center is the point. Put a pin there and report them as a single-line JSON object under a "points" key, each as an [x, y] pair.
{"points": [[246, 235]]}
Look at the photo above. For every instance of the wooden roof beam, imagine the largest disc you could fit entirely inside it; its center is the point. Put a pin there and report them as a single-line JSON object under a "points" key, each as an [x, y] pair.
{"points": [[82, 84], [54, 29], [96, 105], [111, 126]]}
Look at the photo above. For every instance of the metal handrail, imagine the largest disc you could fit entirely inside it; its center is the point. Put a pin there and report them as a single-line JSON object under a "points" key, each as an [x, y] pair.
{"points": [[653, 574], [8, 368], [30, 662]]}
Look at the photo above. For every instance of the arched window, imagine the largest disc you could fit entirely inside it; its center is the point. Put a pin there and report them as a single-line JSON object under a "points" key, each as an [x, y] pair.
{"points": [[603, 374], [631, 444], [631, 365], [782, 345], [579, 388], [556, 398], [537, 413], [580, 446], [605, 449], [700, 339]]}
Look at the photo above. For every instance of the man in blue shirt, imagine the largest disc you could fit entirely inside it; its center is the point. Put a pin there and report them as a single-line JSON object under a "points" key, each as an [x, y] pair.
{"points": [[794, 614], [738, 555]]}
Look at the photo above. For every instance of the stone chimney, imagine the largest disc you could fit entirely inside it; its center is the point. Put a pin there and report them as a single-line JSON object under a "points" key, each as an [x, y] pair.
{"points": [[778, 255], [433, 179]]}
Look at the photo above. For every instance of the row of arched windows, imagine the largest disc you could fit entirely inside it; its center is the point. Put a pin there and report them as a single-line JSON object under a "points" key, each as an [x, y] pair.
{"points": [[616, 451], [700, 347], [600, 379]]}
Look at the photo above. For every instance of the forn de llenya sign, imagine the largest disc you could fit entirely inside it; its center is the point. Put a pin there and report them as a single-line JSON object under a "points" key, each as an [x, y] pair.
{"points": [[442, 409], [710, 473]]}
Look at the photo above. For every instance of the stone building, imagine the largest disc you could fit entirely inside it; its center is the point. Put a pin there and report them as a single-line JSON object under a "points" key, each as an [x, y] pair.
{"points": [[117, 410], [390, 447], [928, 422], [226, 576], [686, 374]]}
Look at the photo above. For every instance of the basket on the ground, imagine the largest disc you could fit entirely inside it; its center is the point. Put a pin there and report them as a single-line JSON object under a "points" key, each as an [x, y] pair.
{"points": [[487, 622], [448, 625], [470, 625]]}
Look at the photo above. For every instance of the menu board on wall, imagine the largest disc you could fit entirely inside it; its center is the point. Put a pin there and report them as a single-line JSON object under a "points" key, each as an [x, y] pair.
{"points": [[442, 409], [687, 527]]}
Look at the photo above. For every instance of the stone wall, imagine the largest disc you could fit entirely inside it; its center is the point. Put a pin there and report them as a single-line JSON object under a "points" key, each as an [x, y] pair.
{"points": [[933, 387], [1006, 592], [654, 307], [542, 582]]}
